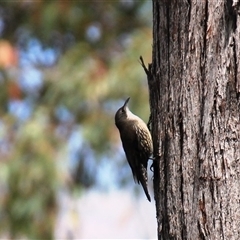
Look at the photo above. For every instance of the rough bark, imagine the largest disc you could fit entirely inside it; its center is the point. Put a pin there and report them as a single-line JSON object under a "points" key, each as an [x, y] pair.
{"points": [[194, 84]]}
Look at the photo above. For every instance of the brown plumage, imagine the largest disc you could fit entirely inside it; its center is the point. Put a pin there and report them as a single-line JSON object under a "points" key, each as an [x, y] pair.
{"points": [[137, 143]]}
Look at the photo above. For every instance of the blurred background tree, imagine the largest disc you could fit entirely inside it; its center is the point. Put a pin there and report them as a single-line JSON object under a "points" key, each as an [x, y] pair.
{"points": [[65, 68]]}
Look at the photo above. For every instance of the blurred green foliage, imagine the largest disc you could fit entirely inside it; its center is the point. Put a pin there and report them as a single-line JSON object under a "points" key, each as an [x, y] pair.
{"points": [[30, 204], [96, 47]]}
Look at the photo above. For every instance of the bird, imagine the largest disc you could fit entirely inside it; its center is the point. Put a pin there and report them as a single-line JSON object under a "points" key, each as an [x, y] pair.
{"points": [[137, 143]]}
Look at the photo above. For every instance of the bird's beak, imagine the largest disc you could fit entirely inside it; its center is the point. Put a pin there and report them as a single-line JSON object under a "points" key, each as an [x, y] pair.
{"points": [[126, 102]]}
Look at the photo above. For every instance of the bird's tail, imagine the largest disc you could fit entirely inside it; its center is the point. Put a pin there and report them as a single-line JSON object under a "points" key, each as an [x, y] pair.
{"points": [[143, 178]]}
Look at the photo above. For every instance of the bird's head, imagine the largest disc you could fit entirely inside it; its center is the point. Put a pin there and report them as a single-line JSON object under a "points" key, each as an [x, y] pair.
{"points": [[122, 113]]}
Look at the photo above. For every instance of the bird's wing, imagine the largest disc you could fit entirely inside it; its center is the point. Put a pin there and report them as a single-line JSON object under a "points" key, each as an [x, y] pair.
{"points": [[130, 146], [136, 147]]}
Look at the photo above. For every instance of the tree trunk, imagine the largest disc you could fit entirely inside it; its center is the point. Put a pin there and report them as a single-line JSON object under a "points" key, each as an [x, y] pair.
{"points": [[194, 83]]}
